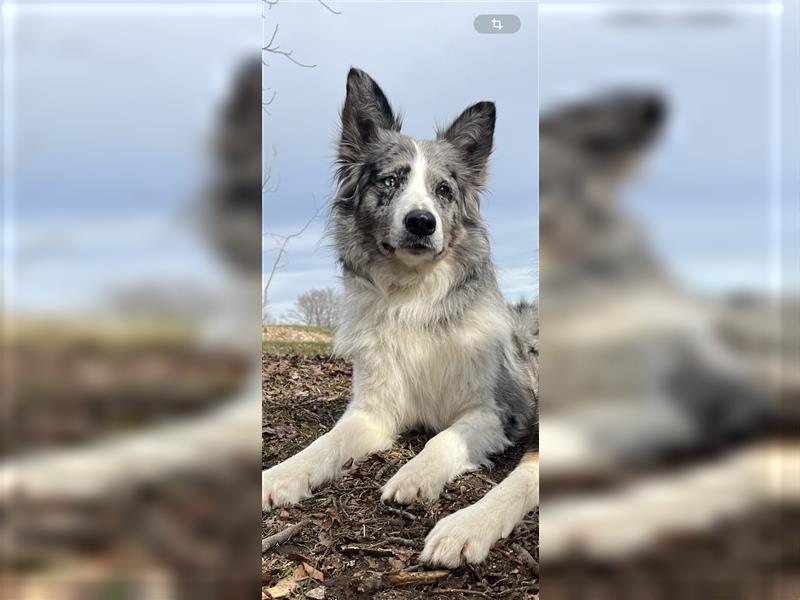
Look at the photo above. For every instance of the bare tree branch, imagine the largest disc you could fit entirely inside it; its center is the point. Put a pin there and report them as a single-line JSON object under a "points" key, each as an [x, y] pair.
{"points": [[272, 48], [336, 12], [266, 187], [318, 307], [282, 250], [271, 3], [272, 39], [265, 103]]}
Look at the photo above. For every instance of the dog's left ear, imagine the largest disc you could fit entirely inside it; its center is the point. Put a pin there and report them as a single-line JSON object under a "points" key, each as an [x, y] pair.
{"points": [[472, 134]]}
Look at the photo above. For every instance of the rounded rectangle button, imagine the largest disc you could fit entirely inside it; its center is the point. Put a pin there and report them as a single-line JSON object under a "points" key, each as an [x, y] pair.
{"points": [[497, 23]]}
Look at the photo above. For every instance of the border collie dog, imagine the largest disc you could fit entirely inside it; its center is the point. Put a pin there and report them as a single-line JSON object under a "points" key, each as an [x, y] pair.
{"points": [[432, 341]]}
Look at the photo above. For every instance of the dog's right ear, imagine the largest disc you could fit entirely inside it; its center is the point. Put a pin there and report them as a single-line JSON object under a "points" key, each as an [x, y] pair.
{"points": [[365, 113]]}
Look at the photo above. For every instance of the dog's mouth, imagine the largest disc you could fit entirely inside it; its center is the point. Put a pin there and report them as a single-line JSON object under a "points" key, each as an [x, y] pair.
{"points": [[417, 248], [414, 248], [410, 247]]}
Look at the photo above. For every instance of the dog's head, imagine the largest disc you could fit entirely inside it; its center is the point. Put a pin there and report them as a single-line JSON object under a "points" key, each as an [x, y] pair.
{"points": [[403, 201], [587, 150]]}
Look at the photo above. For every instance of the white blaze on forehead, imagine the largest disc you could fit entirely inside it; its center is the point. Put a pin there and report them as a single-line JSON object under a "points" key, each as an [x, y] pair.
{"points": [[416, 195], [417, 189]]}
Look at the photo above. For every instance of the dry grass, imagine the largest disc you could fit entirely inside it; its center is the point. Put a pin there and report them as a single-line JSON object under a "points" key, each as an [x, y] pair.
{"points": [[296, 340], [296, 333]]}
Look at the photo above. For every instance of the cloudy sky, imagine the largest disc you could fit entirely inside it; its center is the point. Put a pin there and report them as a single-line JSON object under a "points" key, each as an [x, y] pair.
{"points": [[107, 108], [432, 64], [710, 195]]}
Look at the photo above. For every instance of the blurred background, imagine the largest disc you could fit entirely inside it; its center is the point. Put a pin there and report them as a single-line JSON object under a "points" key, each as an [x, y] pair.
{"points": [[132, 283], [131, 251], [669, 300]]}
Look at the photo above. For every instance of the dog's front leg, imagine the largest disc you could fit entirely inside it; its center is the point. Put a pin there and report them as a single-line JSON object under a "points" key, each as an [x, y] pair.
{"points": [[358, 433], [468, 534], [460, 448]]}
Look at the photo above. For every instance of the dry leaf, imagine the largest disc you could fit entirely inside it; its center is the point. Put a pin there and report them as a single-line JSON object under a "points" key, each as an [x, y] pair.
{"points": [[283, 588], [287, 585], [313, 573]]}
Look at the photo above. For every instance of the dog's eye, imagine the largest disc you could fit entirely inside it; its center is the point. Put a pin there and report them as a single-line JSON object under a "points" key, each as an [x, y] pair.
{"points": [[444, 190], [389, 182]]}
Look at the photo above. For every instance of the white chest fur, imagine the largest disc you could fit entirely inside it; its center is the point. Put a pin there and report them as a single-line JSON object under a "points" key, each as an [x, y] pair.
{"points": [[419, 371]]}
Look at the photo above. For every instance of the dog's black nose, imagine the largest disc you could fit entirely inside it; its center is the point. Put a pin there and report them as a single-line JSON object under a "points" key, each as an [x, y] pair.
{"points": [[420, 222]]}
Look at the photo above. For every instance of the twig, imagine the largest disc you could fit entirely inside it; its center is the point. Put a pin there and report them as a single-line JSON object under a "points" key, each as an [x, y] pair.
{"points": [[401, 541], [340, 507], [525, 557], [282, 249], [517, 590], [379, 475], [336, 12], [281, 536], [485, 479], [421, 578], [272, 39], [402, 513], [366, 550], [268, 168], [277, 50]]}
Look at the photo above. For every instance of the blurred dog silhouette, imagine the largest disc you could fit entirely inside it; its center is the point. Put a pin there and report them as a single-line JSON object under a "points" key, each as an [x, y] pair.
{"points": [[637, 372], [137, 476], [653, 420]]}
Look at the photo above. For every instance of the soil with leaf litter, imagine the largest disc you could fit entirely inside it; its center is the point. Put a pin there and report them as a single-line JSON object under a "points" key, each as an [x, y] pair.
{"points": [[344, 543]]}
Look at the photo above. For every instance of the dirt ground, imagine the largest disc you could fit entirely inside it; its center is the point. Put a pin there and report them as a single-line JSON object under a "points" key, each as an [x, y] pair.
{"points": [[69, 387], [349, 545], [346, 544]]}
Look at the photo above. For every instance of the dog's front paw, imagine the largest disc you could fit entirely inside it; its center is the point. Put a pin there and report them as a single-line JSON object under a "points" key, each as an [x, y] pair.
{"points": [[465, 536], [417, 480], [282, 485]]}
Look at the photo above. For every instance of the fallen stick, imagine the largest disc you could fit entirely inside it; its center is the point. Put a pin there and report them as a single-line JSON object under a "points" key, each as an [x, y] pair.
{"points": [[485, 479], [371, 581], [401, 541], [419, 578], [379, 475], [525, 557], [402, 513], [281, 536], [366, 550]]}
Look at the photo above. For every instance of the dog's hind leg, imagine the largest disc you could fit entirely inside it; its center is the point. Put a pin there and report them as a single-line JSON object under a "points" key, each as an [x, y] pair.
{"points": [[357, 434], [467, 535]]}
